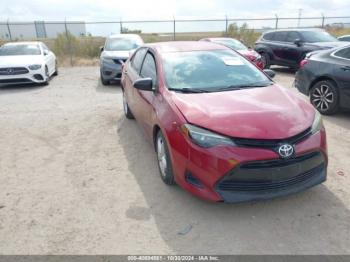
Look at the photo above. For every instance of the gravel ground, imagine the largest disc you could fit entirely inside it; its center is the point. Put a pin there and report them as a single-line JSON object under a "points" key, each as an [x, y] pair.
{"points": [[76, 177]]}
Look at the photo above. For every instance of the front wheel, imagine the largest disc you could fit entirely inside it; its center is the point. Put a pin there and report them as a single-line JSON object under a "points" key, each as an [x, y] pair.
{"points": [[127, 112], [324, 97], [104, 81], [47, 76], [164, 161], [56, 69]]}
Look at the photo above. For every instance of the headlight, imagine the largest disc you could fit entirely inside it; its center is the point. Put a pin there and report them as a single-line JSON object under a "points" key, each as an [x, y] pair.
{"points": [[317, 124], [205, 138], [34, 67]]}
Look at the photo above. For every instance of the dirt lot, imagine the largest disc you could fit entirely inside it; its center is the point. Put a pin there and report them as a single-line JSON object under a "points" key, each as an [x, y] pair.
{"points": [[76, 177]]}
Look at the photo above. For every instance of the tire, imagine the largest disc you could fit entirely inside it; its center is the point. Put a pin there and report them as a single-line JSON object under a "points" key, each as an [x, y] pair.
{"points": [[104, 81], [56, 69], [265, 58], [164, 161], [324, 97], [127, 112]]}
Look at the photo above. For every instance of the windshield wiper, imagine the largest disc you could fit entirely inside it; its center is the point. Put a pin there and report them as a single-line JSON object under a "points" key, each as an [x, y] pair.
{"points": [[240, 87], [189, 90]]}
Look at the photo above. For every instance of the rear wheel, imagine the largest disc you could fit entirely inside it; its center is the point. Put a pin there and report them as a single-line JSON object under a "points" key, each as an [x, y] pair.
{"points": [[164, 162], [265, 60], [324, 97]]}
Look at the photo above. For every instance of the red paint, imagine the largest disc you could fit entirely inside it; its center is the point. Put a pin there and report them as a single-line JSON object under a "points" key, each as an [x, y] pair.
{"points": [[252, 56], [259, 113]]}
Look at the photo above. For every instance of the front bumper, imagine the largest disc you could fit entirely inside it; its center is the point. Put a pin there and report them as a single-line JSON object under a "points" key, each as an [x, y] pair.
{"points": [[247, 173], [33, 76], [111, 71], [273, 178]]}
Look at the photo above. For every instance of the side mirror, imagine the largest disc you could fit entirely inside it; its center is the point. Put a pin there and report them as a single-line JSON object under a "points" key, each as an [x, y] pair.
{"points": [[298, 42], [102, 48], [145, 84], [269, 72], [46, 52]]}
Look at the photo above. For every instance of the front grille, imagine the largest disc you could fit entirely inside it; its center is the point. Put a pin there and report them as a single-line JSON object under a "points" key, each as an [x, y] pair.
{"points": [[119, 61], [232, 185], [272, 174], [13, 71], [272, 143]]}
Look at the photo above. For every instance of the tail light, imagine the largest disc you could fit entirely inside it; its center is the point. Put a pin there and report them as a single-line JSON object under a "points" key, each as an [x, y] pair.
{"points": [[303, 63]]}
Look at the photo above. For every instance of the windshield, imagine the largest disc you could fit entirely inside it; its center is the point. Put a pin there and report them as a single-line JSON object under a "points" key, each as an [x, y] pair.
{"points": [[213, 70], [317, 36], [8, 50], [232, 43], [121, 44]]}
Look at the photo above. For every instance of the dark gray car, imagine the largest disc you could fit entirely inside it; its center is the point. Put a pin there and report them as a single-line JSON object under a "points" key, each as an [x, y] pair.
{"points": [[115, 52], [325, 77]]}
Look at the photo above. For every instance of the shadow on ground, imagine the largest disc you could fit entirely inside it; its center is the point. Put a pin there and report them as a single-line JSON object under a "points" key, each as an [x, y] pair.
{"points": [[312, 222], [8, 89], [113, 87]]}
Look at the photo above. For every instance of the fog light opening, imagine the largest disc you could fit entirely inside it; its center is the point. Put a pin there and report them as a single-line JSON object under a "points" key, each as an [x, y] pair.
{"points": [[193, 180]]}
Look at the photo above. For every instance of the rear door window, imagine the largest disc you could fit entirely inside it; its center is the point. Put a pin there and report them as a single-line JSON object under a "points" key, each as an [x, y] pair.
{"points": [[292, 36], [343, 53], [280, 36], [137, 59]]}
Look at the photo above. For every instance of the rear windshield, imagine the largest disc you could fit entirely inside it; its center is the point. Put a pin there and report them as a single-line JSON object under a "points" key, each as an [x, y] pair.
{"points": [[122, 44], [210, 70], [9, 50], [317, 36], [232, 43]]}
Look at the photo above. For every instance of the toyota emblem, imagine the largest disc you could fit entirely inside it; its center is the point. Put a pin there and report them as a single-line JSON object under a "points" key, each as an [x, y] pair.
{"points": [[286, 150]]}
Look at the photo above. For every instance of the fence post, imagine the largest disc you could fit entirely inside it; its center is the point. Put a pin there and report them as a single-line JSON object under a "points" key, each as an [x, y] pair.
{"points": [[174, 34], [322, 20], [69, 43], [276, 24], [121, 26], [9, 30], [226, 26]]}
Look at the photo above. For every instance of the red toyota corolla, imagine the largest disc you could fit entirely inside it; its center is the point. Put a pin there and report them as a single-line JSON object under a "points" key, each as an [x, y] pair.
{"points": [[221, 128]]}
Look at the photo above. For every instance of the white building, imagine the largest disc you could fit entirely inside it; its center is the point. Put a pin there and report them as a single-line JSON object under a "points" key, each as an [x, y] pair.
{"points": [[39, 29]]}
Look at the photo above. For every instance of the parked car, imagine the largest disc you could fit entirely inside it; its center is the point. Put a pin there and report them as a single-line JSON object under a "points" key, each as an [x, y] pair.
{"points": [[325, 77], [26, 62], [114, 53], [238, 46], [221, 128], [289, 47], [344, 38]]}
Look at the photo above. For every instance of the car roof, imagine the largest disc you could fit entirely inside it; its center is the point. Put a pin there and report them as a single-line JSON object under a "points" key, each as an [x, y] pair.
{"points": [[185, 46], [124, 36], [24, 43], [295, 29], [219, 38]]}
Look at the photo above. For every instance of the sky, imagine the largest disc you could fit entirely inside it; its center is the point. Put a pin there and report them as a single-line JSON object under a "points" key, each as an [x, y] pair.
{"points": [[107, 10]]}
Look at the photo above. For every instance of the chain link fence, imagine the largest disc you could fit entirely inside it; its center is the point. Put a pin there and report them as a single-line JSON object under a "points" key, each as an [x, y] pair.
{"points": [[78, 42]]}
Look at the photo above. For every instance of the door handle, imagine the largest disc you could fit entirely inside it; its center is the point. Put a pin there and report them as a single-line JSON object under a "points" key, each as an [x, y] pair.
{"points": [[346, 68]]}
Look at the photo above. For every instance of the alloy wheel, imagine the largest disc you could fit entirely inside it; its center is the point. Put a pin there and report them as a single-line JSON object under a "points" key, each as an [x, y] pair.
{"points": [[322, 97], [161, 154]]}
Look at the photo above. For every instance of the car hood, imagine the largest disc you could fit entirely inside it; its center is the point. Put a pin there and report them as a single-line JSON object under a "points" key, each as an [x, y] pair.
{"points": [[327, 45], [271, 112], [19, 60], [117, 54]]}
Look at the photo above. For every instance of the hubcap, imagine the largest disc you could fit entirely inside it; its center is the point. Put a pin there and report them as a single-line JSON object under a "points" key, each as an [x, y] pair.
{"points": [[322, 97], [162, 162], [263, 60], [125, 105]]}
